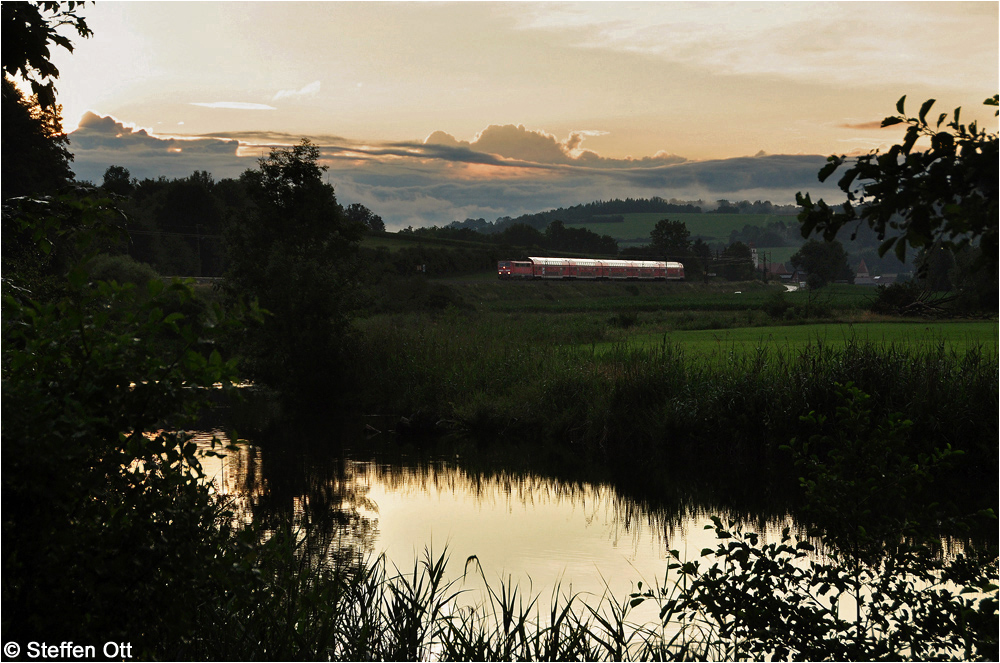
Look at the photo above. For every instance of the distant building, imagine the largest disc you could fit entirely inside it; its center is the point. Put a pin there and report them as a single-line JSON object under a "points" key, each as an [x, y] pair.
{"points": [[779, 271], [863, 277]]}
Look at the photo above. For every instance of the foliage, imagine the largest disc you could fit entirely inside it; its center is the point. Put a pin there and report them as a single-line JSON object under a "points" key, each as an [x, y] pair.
{"points": [[291, 254], [109, 528], [118, 181], [917, 197], [44, 236], [120, 269], [736, 263], [34, 147], [898, 297], [28, 29], [360, 214], [880, 588], [176, 225], [671, 239], [824, 262], [525, 239], [578, 240]]}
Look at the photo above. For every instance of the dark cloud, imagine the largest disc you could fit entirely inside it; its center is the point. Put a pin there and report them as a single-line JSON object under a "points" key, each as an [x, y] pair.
{"points": [[100, 142], [523, 146], [506, 171]]}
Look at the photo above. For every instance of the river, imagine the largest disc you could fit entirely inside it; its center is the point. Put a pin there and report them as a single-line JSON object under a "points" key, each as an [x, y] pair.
{"points": [[535, 529]]}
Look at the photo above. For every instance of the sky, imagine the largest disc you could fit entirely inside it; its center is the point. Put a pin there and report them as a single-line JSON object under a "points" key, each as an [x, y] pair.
{"points": [[432, 112]]}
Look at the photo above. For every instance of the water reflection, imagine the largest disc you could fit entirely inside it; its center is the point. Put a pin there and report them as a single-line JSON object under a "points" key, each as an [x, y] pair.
{"points": [[345, 501]]}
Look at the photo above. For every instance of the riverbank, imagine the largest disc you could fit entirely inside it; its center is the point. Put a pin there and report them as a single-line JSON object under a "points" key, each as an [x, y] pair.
{"points": [[640, 401]]}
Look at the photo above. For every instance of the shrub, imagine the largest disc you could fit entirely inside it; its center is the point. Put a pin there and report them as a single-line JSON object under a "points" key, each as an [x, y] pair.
{"points": [[896, 297], [777, 305], [879, 590], [121, 269]]}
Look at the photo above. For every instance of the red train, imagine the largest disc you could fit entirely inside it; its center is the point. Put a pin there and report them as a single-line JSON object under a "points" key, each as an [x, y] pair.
{"points": [[582, 268]]}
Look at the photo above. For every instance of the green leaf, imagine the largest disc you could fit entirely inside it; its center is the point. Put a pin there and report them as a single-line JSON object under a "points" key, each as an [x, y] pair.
{"points": [[899, 105], [886, 245], [889, 121], [901, 251], [924, 108], [833, 163]]}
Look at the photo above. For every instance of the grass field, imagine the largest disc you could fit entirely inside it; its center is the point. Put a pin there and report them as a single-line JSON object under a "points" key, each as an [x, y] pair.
{"points": [[487, 293], [957, 337], [711, 227]]}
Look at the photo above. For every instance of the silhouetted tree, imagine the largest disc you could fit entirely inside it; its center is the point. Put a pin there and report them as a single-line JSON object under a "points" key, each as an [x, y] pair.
{"points": [[358, 213], [825, 262], [118, 181], [28, 29], [35, 153], [670, 239], [946, 194], [737, 262], [290, 253]]}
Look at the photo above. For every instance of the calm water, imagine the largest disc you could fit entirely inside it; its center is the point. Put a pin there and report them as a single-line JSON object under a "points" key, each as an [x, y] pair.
{"points": [[538, 530]]}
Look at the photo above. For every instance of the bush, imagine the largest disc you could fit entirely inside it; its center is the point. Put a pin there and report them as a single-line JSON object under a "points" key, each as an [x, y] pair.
{"points": [[109, 528], [879, 590], [624, 319], [121, 269], [896, 297], [777, 305]]}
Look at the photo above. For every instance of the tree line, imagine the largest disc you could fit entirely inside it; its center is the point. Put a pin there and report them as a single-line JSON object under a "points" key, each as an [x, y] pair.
{"points": [[613, 211]]}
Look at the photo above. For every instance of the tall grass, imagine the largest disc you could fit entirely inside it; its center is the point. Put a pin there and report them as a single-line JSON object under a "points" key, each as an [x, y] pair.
{"points": [[641, 410], [289, 610]]}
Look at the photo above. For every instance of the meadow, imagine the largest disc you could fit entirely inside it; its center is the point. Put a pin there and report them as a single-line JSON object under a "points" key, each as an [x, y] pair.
{"points": [[953, 337], [713, 228], [641, 377]]}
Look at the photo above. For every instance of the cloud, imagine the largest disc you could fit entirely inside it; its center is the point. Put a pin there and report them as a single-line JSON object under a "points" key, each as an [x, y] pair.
{"points": [[310, 90], [874, 124], [515, 142], [506, 170], [102, 141], [232, 105], [804, 42]]}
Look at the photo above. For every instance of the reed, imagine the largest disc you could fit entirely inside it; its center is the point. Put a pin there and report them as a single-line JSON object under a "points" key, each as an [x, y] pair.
{"points": [[642, 409], [290, 610]]}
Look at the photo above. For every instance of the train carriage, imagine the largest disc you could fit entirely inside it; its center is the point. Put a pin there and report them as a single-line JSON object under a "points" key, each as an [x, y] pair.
{"points": [[584, 268]]}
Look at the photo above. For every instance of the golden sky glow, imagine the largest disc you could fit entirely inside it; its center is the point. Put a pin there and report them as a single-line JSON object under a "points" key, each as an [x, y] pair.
{"points": [[696, 81]]}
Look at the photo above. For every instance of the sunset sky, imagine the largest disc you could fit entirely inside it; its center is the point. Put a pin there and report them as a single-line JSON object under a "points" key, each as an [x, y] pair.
{"points": [[434, 112]]}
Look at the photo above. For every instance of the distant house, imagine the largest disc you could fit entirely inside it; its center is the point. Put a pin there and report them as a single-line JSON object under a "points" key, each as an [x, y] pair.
{"points": [[779, 271], [863, 277]]}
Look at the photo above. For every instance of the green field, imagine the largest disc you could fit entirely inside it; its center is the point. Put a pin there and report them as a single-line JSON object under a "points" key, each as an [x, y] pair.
{"points": [[957, 337], [712, 228], [487, 293]]}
